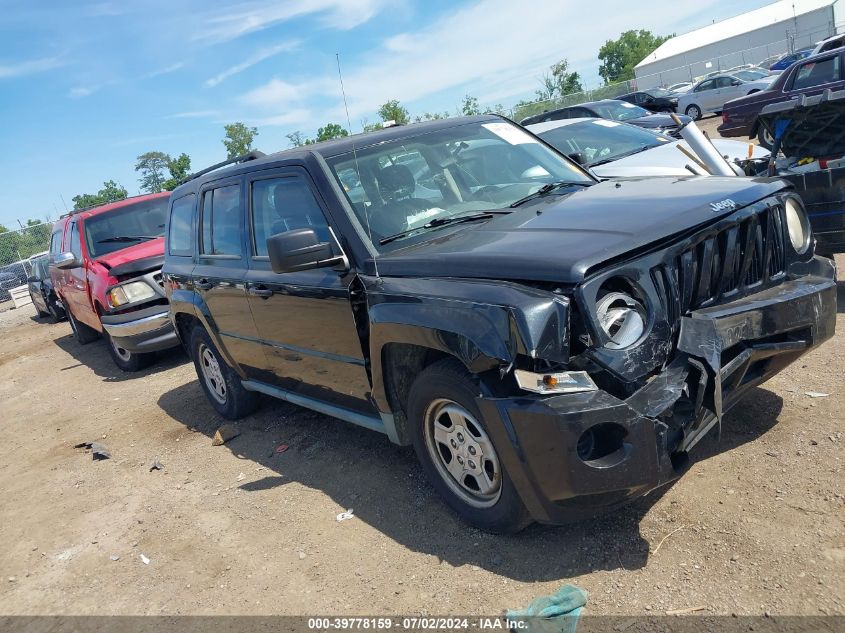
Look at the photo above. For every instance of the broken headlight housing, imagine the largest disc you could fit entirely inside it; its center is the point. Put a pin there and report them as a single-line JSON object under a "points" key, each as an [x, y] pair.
{"points": [[622, 318], [797, 224], [130, 293]]}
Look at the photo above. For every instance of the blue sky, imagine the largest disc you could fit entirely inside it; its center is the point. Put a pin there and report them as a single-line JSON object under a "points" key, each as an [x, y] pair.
{"points": [[87, 86]]}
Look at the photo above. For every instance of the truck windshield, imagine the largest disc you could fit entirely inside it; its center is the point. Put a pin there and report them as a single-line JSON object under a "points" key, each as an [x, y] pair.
{"points": [[126, 226], [416, 182]]}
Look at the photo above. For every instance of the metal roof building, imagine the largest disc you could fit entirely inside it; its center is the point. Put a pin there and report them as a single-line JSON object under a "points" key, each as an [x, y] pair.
{"points": [[743, 39]]}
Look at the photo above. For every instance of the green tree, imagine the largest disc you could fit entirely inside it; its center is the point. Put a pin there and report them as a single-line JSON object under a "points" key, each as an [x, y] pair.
{"points": [[179, 169], [111, 192], [469, 106], [238, 139], [152, 165], [330, 131], [297, 139], [370, 127], [393, 111], [431, 116], [619, 56], [559, 81]]}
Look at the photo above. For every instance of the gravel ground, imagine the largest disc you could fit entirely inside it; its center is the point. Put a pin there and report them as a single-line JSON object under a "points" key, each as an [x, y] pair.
{"points": [[755, 526]]}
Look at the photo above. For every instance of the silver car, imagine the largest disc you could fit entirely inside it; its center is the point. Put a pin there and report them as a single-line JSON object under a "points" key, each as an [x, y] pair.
{"points": [[612, 149], [710, 95]]}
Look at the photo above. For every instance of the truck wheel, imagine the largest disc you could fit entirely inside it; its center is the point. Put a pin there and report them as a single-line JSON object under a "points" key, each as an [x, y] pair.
{"points": [[221, 384], [456, 452], [765, 138], [126, 360], [81, 332]]}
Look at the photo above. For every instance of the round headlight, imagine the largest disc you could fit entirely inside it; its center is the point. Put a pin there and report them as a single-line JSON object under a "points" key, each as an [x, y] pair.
{"points": [[622, 318], [797, 225]]}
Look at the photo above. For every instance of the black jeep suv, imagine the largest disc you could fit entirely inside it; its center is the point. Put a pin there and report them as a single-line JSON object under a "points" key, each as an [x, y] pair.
{"points": [[552, 346]]}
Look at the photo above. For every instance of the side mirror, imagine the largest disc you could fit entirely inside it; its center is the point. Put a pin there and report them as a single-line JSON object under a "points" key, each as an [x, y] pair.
{"points": [[297, 250], [66, 261], [578, 157], [32, 279], [736, 82]]}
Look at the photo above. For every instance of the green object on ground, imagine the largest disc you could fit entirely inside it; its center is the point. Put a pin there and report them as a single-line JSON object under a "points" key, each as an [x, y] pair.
{"points": [[557, 613]]}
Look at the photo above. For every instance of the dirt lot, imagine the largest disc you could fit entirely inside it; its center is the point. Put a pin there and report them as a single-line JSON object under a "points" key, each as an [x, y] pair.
{"points": [[755, 526]]}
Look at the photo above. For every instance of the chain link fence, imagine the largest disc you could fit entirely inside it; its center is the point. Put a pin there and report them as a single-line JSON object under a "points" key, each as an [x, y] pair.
{"points": [[17, 248]]}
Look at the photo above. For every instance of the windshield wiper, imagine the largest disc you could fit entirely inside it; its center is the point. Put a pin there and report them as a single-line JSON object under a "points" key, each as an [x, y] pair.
{"points": [[624, 155], [128, 238], [453, 219], [548, 188]]}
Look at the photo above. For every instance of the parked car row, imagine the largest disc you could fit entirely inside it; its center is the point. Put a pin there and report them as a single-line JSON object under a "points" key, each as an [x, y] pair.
{"points": [[552, 345]]}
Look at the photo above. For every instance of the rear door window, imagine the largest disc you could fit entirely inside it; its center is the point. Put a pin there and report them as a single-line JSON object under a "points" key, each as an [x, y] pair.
{"points": [[705, 85], [181, 220], [817, 72], [221, 221]]}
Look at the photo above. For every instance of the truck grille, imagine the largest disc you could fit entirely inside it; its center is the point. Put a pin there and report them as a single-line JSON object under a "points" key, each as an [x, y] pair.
{"points": [[736, 260]]}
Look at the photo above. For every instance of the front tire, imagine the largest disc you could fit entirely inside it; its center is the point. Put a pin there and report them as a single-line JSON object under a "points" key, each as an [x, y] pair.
{"points": [[765, 139], [221, 384], [693, 112], [126, 360], [456, 452], [81, 332]]}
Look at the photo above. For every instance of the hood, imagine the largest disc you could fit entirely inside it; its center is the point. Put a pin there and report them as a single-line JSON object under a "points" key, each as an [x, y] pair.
{"points": [[150, 248], [667, 160], [561, 238], [808, 126], [653, 121]]}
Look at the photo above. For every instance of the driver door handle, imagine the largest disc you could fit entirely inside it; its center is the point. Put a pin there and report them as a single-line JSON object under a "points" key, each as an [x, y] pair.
{"points": [[260, 291]]}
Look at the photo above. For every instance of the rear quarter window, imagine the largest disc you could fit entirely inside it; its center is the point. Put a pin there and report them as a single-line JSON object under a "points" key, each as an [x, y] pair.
{"points": [[180, 232]]}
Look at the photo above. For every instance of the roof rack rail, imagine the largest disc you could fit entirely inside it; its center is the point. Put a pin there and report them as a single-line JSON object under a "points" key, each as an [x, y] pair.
{"points": [[231, 161]]}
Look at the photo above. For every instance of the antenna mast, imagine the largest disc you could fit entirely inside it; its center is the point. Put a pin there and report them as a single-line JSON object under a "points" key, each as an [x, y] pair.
{"points": [[355, 155]]}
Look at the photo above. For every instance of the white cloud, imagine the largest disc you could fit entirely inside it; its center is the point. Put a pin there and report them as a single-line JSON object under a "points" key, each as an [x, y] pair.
{"points": [[19, 69], [489, 48], [260, 14], [194, 114], [82, 91], [289, 118], [165, 71], [260, 56]]}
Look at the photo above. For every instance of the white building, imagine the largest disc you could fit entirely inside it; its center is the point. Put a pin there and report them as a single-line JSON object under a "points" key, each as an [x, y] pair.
{"points": [[750, 38]]}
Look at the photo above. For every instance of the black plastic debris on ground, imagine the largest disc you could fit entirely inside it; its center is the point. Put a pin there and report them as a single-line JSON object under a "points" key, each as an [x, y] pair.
{"points": [[98, 451]]}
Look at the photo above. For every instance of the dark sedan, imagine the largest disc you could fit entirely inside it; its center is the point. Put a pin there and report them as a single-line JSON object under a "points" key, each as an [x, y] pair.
{"points": [[655, 99], [613, 110], [808, 77]]}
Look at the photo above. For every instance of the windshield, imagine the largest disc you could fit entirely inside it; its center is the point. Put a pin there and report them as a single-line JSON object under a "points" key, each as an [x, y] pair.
{"points": [[660, 92], [599, 140], [405, 184], [750, 75], [126, 226], [619, 110]]}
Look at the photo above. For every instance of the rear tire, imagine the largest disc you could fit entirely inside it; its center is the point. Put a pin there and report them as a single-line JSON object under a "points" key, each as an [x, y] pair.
{"points": [[693, 112], [221, 384], [56, 313], [456, 452], [81, 332], [126, 360]]}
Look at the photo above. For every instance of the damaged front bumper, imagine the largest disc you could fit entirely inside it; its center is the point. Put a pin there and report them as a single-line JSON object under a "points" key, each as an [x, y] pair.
{"points": [[575, 455], [145, 330]]}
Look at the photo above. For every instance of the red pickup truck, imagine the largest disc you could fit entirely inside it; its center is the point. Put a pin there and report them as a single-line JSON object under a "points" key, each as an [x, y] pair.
{"points": [[105, 265]]}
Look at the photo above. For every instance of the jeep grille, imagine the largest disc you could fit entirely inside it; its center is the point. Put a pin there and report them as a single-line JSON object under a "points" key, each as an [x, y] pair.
{"points": [[735, 261]]}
